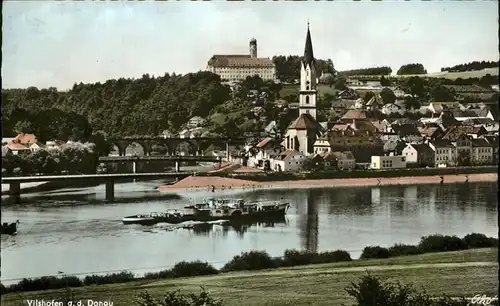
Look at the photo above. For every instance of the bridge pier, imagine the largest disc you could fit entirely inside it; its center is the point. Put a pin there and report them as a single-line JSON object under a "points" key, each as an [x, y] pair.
{"points": [[177, 166], [134, 167], [228, 155], [110, 190], [15, 191]]}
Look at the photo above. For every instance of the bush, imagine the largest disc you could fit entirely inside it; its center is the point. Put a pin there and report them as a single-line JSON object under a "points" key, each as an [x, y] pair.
{"points": [[175, 298], [476, 240], [404, 250], [335, 256], [159, 275], [440, 243], [45, 283], [253, 260], [112, 278], [297, 258], [375, 252], [194, 268], [371, 291]]}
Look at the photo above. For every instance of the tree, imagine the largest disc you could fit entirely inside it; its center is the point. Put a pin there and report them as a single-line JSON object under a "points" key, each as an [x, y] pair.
{"points": [[416, 86], [388, 95], [23, 126], [411, 69], [384, 70], [411, 102], [384, 82], [442, 94], [340, 83]]}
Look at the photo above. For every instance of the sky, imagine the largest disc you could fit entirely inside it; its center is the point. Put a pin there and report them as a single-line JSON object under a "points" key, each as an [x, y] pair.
{"points": [[57, 44]]}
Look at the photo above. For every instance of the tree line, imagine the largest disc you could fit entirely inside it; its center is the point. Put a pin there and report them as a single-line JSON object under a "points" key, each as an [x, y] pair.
{"points": [[288, 67], [117, 107], [384, 70], [472, 66]]}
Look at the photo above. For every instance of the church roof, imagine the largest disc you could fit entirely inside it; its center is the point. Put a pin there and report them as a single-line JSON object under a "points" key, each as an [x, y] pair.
{"points": [[308, 50], [305, 122]]}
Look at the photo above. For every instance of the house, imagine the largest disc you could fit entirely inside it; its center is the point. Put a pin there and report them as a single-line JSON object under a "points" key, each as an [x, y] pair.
{"points": [[362, 144], [374, 103], [288, 161], [349, 94], [388, 162], [6, 140], [195, 122], [473, 131], [36, 146], [263, 152], [345, 160], [382, 126], [435, 108], [482, 152], [445, 153], [391, 108], [272, 129], [6, 151], [493, 141], [431, 132], [419, 154], [394, 147], [472, 93], [17, 148], [398, 92]]}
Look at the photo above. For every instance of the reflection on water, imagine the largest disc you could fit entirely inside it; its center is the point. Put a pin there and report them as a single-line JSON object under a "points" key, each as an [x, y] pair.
{"points": [[76, 231], [205, 229]]}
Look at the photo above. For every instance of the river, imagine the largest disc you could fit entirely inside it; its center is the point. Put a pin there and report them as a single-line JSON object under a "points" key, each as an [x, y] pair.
{"points": [[76, 232]]}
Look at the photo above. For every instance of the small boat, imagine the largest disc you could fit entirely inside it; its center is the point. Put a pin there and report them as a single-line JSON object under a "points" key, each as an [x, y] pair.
{"points": [[9, 229], [215, 209]]}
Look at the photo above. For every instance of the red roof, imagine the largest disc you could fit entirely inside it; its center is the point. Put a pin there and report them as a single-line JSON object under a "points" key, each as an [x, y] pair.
{"points": [[263, 142]]}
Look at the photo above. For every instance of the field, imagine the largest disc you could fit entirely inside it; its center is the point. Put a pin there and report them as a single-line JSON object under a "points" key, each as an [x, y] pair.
{"points": [[446, 75], [294, 89], [464, 273]]}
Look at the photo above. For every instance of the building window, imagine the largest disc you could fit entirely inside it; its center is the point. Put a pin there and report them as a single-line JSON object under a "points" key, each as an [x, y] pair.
{"points": [[307, 98]]}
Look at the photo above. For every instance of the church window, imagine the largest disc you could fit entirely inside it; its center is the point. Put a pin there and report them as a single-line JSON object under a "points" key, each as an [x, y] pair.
{"points": [[307, 97]]}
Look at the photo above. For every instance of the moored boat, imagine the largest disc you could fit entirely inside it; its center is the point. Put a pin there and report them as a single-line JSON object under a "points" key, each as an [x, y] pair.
{"points": [[9, 229], [214, 209]]}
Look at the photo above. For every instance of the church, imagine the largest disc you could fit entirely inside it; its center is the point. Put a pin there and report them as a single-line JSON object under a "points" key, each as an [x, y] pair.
{"points": [[303, 132]]}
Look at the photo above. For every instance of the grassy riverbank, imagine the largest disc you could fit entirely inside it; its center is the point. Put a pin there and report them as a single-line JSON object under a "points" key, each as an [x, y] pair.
{"points": [[462, 273]]}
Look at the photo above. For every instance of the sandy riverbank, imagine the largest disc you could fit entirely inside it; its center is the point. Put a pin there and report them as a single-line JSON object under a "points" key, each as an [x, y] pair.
{"points": [[193, 183]]}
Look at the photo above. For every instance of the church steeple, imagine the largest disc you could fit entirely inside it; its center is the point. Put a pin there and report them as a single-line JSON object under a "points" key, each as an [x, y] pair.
{"points": [[308, 50], [307, 93]]}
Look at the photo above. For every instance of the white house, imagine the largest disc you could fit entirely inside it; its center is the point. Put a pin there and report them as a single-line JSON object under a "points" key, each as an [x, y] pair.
{"points": [[445, 153], [388, 162], [419, 154], [288, 161], [482, 152], [391, 108], [264, 151], [195, 122], [398, 92]]}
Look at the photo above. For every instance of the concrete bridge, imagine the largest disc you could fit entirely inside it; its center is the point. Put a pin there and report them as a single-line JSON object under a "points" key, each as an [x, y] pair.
{"points": [[109, 179], [178, 159], [174, 145]]}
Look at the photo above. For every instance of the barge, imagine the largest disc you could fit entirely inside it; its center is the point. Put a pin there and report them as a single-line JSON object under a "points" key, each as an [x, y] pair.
{"points": [[9, 229], [214, 209]]}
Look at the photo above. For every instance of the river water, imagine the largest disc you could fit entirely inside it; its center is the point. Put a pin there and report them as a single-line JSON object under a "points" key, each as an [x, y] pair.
{"points": [[76, 232]]}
